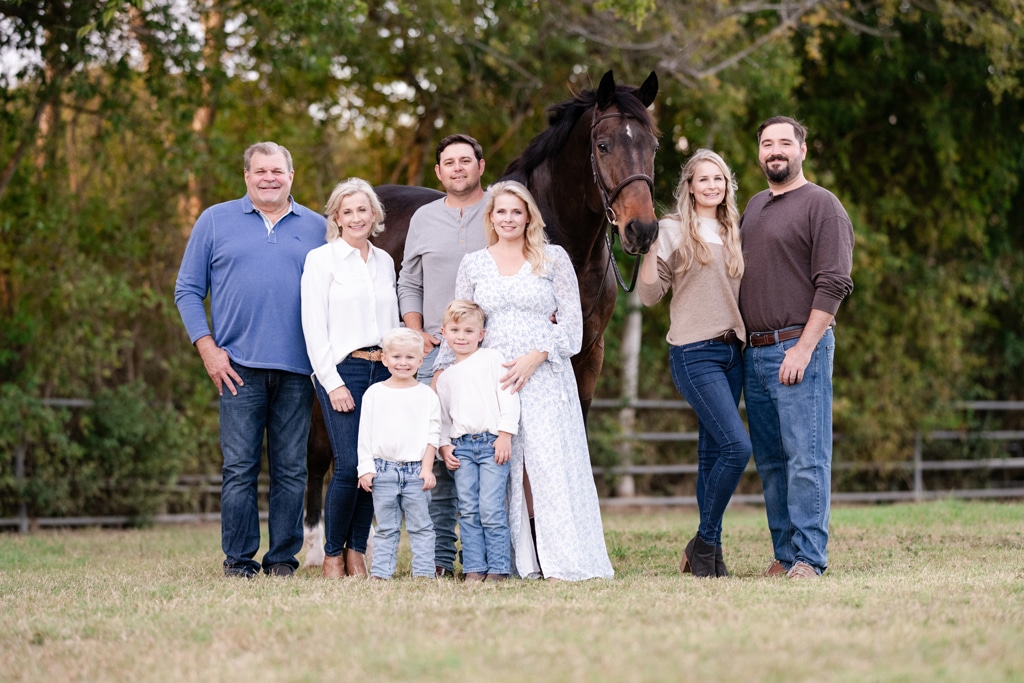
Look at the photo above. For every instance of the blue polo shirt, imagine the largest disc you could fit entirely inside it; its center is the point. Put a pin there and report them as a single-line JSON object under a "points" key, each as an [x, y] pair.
{"points": [[252, 277]]}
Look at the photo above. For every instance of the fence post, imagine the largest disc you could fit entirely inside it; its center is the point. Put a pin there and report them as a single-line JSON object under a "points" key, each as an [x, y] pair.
{"points": [[19, 480], [631, 338], [918, 475]]}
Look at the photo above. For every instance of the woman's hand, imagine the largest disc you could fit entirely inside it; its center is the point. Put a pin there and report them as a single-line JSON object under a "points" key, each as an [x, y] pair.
{"points": [[341, 400], [521, 369]]}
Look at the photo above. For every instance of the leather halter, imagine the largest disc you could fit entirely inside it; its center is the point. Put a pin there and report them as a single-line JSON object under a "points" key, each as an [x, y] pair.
{"points": [[608, 198]]}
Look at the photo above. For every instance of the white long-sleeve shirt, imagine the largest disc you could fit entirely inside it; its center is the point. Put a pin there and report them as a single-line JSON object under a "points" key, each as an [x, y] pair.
{"points": [[472, 400], [347, 304], [397, 424]]}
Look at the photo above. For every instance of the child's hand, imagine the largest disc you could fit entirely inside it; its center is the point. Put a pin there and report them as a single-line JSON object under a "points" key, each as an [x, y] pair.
{"points": [[503, 448], [366, 481], [448, 455], [429, 481]]}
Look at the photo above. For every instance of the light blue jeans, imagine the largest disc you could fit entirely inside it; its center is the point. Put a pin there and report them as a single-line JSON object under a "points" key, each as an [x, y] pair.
{"points": [[709, 375], [791, 432], [397, 491], [444, 500], [483, 523], [278, 404]]}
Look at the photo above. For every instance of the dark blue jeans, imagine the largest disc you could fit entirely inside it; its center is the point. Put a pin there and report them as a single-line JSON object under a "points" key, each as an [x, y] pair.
{"points": [[278, 404], [444, 500], [348, 510], [709, 375]]}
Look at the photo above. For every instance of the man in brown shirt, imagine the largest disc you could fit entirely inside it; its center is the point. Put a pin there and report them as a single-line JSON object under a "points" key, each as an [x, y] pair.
{"points": [[798, 253]]}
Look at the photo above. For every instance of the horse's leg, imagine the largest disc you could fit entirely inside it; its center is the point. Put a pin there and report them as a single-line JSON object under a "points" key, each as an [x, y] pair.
{"points": [[319, 458], [587, 365]]}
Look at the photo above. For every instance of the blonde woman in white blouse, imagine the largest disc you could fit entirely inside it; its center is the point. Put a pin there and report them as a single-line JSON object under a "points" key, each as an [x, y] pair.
{"points": [[349, 302], [700, 258]]}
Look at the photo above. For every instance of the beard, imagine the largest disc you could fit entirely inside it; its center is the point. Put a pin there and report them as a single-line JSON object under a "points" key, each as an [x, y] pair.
{"points": [[782, 173]]}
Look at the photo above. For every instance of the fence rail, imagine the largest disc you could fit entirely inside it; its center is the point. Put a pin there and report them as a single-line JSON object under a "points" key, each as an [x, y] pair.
{"points": [[210, 484], [918, 466]]}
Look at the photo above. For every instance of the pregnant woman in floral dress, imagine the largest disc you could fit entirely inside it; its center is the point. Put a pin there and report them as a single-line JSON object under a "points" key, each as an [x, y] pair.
{"points": [[519, 280]]}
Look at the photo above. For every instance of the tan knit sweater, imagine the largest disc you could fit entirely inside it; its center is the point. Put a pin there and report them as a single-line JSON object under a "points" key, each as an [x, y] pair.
{"points": [[705, 300]]}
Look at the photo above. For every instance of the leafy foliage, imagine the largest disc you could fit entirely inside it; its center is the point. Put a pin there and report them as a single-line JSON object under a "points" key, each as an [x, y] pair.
{"points": [[120, 121]]}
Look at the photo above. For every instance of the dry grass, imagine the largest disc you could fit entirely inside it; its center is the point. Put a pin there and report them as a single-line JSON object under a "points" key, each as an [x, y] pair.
{"points": [[931, 592]]}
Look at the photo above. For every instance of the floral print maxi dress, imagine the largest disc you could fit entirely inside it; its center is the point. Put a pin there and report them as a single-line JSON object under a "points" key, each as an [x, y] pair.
{"points": [[552, 440]]}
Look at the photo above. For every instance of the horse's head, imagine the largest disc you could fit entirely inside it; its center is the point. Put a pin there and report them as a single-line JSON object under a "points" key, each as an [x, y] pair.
{"points": [[623, 141]]}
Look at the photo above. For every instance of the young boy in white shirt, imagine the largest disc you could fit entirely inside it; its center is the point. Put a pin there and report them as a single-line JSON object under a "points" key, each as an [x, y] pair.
{"points": [[478, 419], [398, 438]]}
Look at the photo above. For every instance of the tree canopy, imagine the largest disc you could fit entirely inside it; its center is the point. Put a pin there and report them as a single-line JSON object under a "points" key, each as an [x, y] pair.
{"points": [[120, 121]]}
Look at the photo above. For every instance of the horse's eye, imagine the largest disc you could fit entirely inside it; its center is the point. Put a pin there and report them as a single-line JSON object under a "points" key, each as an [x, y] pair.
{"points": [[602, 147]]}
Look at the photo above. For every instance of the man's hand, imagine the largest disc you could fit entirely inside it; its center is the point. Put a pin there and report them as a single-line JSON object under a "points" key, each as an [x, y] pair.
{"points": [[218, 366]]}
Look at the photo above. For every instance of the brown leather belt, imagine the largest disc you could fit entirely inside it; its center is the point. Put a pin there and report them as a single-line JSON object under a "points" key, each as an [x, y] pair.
{"points": [[727, 338], [769, 338], [373, 353]]}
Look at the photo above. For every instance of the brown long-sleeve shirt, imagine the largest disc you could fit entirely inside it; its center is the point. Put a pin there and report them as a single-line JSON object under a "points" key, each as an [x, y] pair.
{"points": [[797, 253]]}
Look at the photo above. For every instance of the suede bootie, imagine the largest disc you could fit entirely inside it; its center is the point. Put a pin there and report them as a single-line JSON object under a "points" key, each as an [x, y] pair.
{"points": [[334, 567], [701, 557], [355, 563], [720, 570]]}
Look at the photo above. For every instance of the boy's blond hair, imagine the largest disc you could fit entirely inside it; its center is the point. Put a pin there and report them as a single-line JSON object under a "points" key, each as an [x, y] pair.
{"points": [[460, 309], [403, 337]]}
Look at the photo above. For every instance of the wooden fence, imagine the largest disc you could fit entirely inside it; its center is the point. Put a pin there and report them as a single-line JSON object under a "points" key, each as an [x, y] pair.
{"points": [[918, 466], [206, 488]]}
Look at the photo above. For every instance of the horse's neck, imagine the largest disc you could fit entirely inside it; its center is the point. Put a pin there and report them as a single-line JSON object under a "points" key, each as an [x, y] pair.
{"points": [[565, 190]]}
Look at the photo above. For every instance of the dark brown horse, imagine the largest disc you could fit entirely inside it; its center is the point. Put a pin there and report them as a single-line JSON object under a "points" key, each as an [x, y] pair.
{"points": [[593, 165]]}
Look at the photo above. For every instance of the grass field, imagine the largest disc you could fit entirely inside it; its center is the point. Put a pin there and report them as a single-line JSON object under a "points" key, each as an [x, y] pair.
{"points": [[928, 592]]}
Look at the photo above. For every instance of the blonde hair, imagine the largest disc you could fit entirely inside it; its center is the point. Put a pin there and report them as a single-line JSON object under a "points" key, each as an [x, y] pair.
{"points": [[460, 309], [347, 188], [535, 239], [402, 337], [693, 247]]}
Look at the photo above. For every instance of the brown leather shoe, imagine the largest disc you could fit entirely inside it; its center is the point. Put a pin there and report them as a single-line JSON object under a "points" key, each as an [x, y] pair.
{"points": [[773, 570], [475, 577], [494, 578], [443, 572], [334, 567], [355, 563]]}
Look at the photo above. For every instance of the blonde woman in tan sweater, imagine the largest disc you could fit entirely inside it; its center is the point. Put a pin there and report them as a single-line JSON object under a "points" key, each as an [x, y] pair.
{"points": [[699, 257]]}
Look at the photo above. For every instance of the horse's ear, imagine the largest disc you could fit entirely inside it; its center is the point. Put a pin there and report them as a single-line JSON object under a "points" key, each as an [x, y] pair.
{"points": [[606, 91], [649, 90]]}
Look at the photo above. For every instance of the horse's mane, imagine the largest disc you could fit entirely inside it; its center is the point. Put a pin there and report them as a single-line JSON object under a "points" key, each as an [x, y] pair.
{"points": [[562, 118]]}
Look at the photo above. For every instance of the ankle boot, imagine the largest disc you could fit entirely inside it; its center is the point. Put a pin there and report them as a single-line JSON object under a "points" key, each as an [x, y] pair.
{"points": [[720, 569], [355, 563], [334, 567], [702, 558], [684, 564]]}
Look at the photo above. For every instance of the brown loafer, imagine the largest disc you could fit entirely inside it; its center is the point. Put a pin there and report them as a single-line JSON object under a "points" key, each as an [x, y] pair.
{"points": [[475, 577], [773, 570], [334, 567], [494, 578]]}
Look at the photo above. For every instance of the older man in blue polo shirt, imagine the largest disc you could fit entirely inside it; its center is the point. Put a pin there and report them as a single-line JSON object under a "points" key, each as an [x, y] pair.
{"points": [[248, 255]]}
